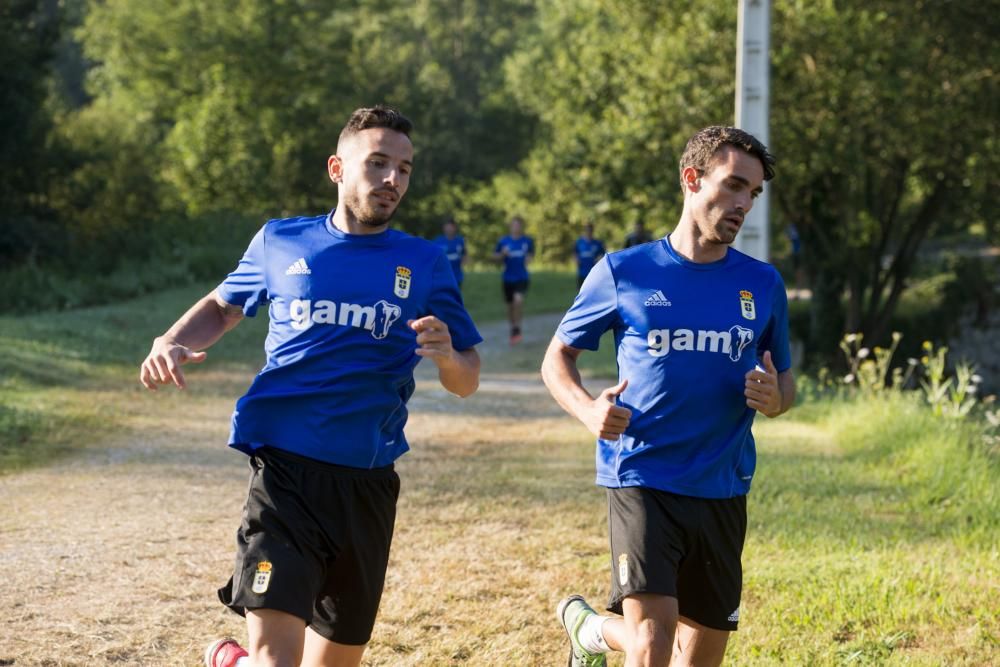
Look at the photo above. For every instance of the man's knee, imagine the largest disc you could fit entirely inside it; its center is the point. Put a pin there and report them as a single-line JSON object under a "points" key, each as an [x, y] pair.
{"points": [[276, 638], [651, 637]]}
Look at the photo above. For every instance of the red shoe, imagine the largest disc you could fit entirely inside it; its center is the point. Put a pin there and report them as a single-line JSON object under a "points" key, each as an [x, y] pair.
{"points": [[515, 336], [224, 653]]}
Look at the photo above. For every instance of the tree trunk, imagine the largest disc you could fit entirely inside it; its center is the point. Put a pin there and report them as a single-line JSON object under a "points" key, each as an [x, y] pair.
{"points": [[826, 317]]}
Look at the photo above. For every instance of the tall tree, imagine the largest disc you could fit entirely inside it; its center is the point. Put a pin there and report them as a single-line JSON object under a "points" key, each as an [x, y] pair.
{"points": [[618, 87], [28, 31], [886, 120]]}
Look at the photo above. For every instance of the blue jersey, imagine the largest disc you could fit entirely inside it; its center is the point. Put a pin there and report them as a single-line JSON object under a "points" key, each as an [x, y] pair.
{"points": [[515, 268], [340, 356], [454, 250], [587, 252], [686, 335]]}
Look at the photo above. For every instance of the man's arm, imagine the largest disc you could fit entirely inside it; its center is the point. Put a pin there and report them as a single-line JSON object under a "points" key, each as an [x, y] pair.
{"points": [[201, 326], [768, 391], [562, 378], [458, 370]]}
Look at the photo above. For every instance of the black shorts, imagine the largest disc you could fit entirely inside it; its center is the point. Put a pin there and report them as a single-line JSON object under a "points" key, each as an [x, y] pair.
{"points": [[516, 287], [314, 542], [683, 547]]}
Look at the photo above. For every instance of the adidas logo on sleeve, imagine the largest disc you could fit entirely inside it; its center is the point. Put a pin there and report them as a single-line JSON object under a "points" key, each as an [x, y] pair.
{"points": [[657, 299], [298, 268]]}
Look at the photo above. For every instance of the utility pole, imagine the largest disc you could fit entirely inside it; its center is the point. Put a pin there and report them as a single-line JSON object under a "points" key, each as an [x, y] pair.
{"points": [[753, 81]]}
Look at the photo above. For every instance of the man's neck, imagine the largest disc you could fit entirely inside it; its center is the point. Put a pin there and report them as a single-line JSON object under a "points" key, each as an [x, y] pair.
{"points": [[687, 242], [346, 222]]}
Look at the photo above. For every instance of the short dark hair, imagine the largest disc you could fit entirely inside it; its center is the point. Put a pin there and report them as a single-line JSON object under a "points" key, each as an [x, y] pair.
{"points": [[702, 147], [379, 115]]}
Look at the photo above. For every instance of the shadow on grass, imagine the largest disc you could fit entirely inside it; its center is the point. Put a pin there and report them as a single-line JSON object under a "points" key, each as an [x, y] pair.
{"points": [[30, 438]]}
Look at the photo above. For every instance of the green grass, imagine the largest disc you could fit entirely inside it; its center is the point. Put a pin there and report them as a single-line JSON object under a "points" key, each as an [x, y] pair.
{"points": [[873, 540]]}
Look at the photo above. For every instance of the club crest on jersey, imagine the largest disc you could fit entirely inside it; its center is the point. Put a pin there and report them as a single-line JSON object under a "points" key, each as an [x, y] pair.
{"points": [[623, 569], [403, 277], [262, 577], [746, 305]]}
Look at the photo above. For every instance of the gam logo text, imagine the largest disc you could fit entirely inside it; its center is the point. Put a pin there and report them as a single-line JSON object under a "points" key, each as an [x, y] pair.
{"points": [[661, 341], [377, 319]]}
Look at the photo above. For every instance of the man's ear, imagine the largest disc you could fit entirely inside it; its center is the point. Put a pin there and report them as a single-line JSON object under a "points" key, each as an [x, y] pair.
{"points": [[691, 178], [335, 169]]}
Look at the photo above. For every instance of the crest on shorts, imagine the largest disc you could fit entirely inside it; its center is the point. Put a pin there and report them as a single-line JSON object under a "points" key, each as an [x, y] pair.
{"points": [[402, 287], [262, 577], [623, 569], [746, 305]]}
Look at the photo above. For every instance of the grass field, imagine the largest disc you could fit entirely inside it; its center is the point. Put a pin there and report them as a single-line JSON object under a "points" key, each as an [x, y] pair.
{"points": [[874, 536]]}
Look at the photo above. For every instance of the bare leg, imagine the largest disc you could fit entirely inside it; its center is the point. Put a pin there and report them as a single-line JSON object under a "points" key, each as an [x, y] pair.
{"points": [[276, 638], [698, 646], [321, 652], [516, 309], [646, 633]]}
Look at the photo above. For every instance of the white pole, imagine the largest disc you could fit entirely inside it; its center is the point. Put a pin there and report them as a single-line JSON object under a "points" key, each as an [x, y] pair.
{"points": [[753, 39]]}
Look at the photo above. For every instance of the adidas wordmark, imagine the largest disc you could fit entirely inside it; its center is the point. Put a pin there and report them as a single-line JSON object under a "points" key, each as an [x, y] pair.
{"points": [[657, 299], [298, 268]]}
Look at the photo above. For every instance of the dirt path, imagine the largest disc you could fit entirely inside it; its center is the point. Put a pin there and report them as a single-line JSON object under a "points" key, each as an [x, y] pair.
{"points": [[112, 557]]}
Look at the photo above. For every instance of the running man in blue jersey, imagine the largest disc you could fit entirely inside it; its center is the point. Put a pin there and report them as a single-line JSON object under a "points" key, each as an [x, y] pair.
{"points": [[515, 251], [353, 307], [454, 248], [702, 345], [587, 250]]}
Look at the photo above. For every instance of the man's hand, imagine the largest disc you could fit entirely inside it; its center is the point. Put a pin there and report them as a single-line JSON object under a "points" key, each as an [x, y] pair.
{"points": [[433, 339], [163, 364], [458, 371], [605, 419], [762, 390]]}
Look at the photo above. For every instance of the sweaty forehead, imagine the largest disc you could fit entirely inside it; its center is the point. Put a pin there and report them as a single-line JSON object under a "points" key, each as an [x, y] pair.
{"points": [[377, 140]]}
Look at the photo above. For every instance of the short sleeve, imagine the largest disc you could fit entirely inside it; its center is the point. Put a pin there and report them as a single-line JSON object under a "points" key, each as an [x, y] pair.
{"points": [[775, 338], [446, 304], [531, 245], [246, 286], [499, 246], [594, 311]]}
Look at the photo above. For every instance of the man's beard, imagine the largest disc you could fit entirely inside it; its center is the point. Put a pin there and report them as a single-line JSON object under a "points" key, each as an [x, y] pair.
{"points": [[368, 216]]}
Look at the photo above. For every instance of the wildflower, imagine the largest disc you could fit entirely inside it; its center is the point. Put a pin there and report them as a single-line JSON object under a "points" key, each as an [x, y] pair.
{"points": [[851, 337], [896, 336], [977, 378], [849, 378], [862, 353], [911, 361], [925, 360], [927, 345]]}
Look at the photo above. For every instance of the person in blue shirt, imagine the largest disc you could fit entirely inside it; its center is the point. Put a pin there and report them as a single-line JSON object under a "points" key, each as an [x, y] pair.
{"points": [[454, 248], [701, 332], [587, 250], [353, 307], [515, 251]]}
